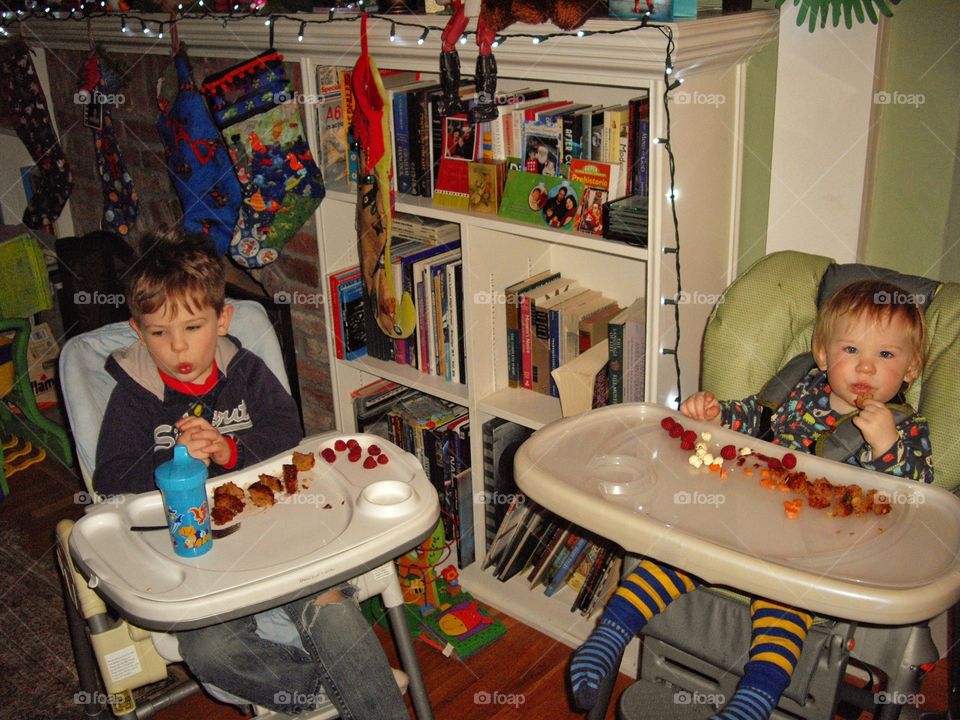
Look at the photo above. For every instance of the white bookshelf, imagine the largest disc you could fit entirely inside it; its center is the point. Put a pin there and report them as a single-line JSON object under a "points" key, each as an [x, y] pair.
{"points": [[707, 117]]}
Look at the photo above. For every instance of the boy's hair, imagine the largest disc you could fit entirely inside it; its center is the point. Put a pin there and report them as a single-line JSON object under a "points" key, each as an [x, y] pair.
{"points": [[879, 301], [175, 268]]}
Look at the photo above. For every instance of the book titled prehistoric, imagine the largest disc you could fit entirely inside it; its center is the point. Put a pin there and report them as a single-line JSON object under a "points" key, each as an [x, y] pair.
{"points": [[541, 200]]}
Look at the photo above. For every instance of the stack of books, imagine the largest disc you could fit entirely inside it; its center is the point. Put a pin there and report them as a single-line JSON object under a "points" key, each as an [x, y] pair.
{"points": [[626, 219]]}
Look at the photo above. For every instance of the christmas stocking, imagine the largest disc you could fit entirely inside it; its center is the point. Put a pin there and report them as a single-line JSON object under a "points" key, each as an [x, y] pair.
{"points": [[51, 181], [102, 81], [394, 316], [198, 163], [280, 184]]}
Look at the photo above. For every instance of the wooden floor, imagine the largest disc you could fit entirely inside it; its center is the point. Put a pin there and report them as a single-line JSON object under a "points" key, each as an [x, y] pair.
{"points": [[524, 667]]}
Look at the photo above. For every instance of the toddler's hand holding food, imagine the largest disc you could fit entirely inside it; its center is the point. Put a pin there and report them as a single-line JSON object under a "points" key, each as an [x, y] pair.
{"points": [[702, 406]]}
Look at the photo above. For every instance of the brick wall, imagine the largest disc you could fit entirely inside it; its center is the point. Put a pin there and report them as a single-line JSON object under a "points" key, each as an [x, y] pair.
{"points": [[296, 273]]}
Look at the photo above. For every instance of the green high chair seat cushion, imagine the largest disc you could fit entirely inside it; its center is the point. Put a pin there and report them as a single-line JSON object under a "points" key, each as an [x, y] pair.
{"points": [[766, 317]]}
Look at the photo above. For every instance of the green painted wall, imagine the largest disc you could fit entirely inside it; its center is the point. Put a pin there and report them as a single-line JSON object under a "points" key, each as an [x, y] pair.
{"points": [[913, 221], [757, 153]]}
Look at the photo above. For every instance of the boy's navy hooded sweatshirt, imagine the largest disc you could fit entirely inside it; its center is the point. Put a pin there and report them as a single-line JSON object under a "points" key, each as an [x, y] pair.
{"points": [[247, 403]]}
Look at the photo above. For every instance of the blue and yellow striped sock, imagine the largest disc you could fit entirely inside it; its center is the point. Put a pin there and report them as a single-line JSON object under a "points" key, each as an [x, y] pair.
{"points": [[642, 594], [775, 644]]}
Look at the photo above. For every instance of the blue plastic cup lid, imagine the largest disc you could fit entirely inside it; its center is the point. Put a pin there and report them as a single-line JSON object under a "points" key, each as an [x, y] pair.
{"points": [[181, 472]]}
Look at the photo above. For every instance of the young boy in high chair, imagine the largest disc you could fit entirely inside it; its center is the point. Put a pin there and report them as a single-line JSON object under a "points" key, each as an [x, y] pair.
{"points": [[866, 349], [188, 382]]}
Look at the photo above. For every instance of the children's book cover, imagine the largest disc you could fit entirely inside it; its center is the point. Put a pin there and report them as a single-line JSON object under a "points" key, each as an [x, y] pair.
{"points": [[541, 200], [459, 149], [484, 178], [599, 179], [463, 628]]}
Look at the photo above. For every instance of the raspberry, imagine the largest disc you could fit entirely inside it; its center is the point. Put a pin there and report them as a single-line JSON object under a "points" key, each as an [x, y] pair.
{"points": [[353, 444], [689, 436], [728, 452], [329, 455], [686, 445], [676, 431], [354, 456], [374, 450], [383, 459], [370, 463], [667, 423], [773, 464], [789, 461], [339, 446]]}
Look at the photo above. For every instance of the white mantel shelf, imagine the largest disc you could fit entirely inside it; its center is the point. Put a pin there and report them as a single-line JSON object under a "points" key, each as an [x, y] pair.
{"points": [[622, 59]]}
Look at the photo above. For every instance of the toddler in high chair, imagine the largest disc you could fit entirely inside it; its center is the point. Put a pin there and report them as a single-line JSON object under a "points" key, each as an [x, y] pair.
{"points": [[187, 382], [867, 348]]}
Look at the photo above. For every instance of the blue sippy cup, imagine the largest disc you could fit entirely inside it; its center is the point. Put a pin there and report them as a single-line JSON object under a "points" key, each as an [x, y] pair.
{"points": [[182, 483]]}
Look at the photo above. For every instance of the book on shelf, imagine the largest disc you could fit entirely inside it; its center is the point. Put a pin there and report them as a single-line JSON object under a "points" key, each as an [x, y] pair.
{"points": [[403, 134], [529, 539], [542, 148], [545, 335], [501, 440], [331, 129], [600, 180], [607, 584], [484, 179], [616, 123], [542, 200], [429, 320], [459, 148], [407, 260], [626, 333], [511, 302], [505, 531], [554, 539], [638, 152], [372, 404], [565, 561], [500, 126], [420, 131], [593, 326], [562, 316], [453, 308], [528, 301], [582, 568], [348, 103], [349, 323], [600, 555], [593, 133], [571, 313], [425, 229], [583, 383]]}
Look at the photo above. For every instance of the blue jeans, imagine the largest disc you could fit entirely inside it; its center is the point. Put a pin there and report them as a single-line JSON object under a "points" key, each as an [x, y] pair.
{"points": [[338, 650]]}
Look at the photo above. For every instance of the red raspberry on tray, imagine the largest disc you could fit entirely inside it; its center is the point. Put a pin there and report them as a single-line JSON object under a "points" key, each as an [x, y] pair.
{"points": [[728, 452], [370, 463], [329, 455], [667, 423]]}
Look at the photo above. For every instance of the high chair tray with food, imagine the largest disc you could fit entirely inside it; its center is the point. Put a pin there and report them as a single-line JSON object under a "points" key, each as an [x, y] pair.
{"points": [[331, 509], [733, 510]]}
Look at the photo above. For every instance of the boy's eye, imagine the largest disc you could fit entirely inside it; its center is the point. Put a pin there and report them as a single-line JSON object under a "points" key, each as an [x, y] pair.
{"points": [[850, 350], [156, 333], [886, 354]]}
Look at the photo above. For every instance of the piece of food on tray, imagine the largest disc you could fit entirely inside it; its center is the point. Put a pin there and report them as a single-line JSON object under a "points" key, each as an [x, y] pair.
{"points": [[290, 478], [261, 494], [229, 488], [228, 501], [272, 482], [303, 461]]}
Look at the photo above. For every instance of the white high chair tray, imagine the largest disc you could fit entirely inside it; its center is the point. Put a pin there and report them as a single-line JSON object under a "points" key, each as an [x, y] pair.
{"points": [[347, 520], [617, 472]]}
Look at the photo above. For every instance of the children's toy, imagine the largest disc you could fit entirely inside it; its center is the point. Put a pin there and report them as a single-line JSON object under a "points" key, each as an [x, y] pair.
{"points": [[51, 181], [253, 105]]}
